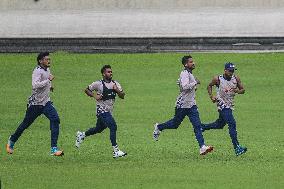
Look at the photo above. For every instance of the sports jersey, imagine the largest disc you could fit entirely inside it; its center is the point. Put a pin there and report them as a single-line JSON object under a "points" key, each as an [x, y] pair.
{"points": [[187, 85], [105, 89], [225, 92], [40, 86]]}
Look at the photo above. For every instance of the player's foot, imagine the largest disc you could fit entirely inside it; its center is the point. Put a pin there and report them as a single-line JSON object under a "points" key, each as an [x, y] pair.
{"points": [[80, 136], [117, 152], [239, 150], [10, 146], [156, 132], [56, 152], [205, 149]]}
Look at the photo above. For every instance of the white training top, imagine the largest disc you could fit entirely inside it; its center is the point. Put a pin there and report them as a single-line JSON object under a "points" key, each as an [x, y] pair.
{"points": [[104, 105], [225, 92], [187, 85], [40, 86]]}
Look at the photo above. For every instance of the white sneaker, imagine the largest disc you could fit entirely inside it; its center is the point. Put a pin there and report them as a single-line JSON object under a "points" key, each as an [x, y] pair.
{"points": [[156, 132], [80, 136], [118, 153], [205, 149]]}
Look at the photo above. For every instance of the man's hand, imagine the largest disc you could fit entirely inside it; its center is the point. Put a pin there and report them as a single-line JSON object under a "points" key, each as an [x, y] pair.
{"points": [[98, 96], [236, 90], [51, 77], [213, 99], [115, 88], [197, 81], [121, 94]]}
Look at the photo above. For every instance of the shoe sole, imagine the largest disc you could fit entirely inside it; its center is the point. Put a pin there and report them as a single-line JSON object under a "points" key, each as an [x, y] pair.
{"points": [[120, 156], [62, 154], [242, 152], [9, 151], [207, 151], [155, 139], [77, 146]]}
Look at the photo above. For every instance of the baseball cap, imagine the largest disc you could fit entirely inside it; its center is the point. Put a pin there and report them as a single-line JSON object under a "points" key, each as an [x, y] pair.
{"points": [[230, 66]]}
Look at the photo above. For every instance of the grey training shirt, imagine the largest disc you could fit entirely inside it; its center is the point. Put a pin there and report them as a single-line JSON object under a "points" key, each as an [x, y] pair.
{"points": [[104, 105], [40, 86], [187, 85], [225, 92]]}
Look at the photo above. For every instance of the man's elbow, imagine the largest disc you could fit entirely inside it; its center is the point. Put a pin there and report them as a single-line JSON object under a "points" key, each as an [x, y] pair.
{"points": [[210, 86], [87, 91]]}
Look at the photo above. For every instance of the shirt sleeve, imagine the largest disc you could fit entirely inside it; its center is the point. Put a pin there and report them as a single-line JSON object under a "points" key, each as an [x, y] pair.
{"points": [[118, 86], [187, 82], [94, 86], [36, 83]]}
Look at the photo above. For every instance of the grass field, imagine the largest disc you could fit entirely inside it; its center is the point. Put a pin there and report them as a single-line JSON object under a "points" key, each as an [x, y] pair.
{"points": [[149, 81]]}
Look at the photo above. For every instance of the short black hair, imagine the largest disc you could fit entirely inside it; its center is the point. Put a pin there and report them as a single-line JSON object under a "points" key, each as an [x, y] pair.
{"points": [[185, 59], [104, 68], [41, 56]]}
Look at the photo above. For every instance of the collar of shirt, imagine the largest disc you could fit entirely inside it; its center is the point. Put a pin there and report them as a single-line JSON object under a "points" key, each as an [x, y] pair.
{"points": [[227, 78], [106, 81], [188, 69], [45, 69]]}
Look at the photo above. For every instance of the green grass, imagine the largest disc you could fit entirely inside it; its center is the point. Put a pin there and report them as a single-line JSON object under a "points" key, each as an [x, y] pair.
{"points": [[149, 81]]}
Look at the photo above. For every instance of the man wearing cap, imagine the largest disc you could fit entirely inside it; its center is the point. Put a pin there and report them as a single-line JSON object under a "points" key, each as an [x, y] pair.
{"points": [[228, 85], [185, 106], [39, 103]]}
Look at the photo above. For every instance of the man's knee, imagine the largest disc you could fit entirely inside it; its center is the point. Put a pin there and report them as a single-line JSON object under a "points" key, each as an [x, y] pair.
{"points": [[221, 124], [54, 124], [176, 122], [113, 127], [176, 125], [55, 120], [232, 123], [26, 122]]}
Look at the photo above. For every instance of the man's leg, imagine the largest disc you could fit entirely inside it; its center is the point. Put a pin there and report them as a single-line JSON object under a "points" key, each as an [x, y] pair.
{"points": [[218, 124], [108, 120], [227, 115], [195, 121], [80, 136], [111, 124], [230, 120], [32, 113], [174, 123], [193, 115], [100, 126], [50, 112]]}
